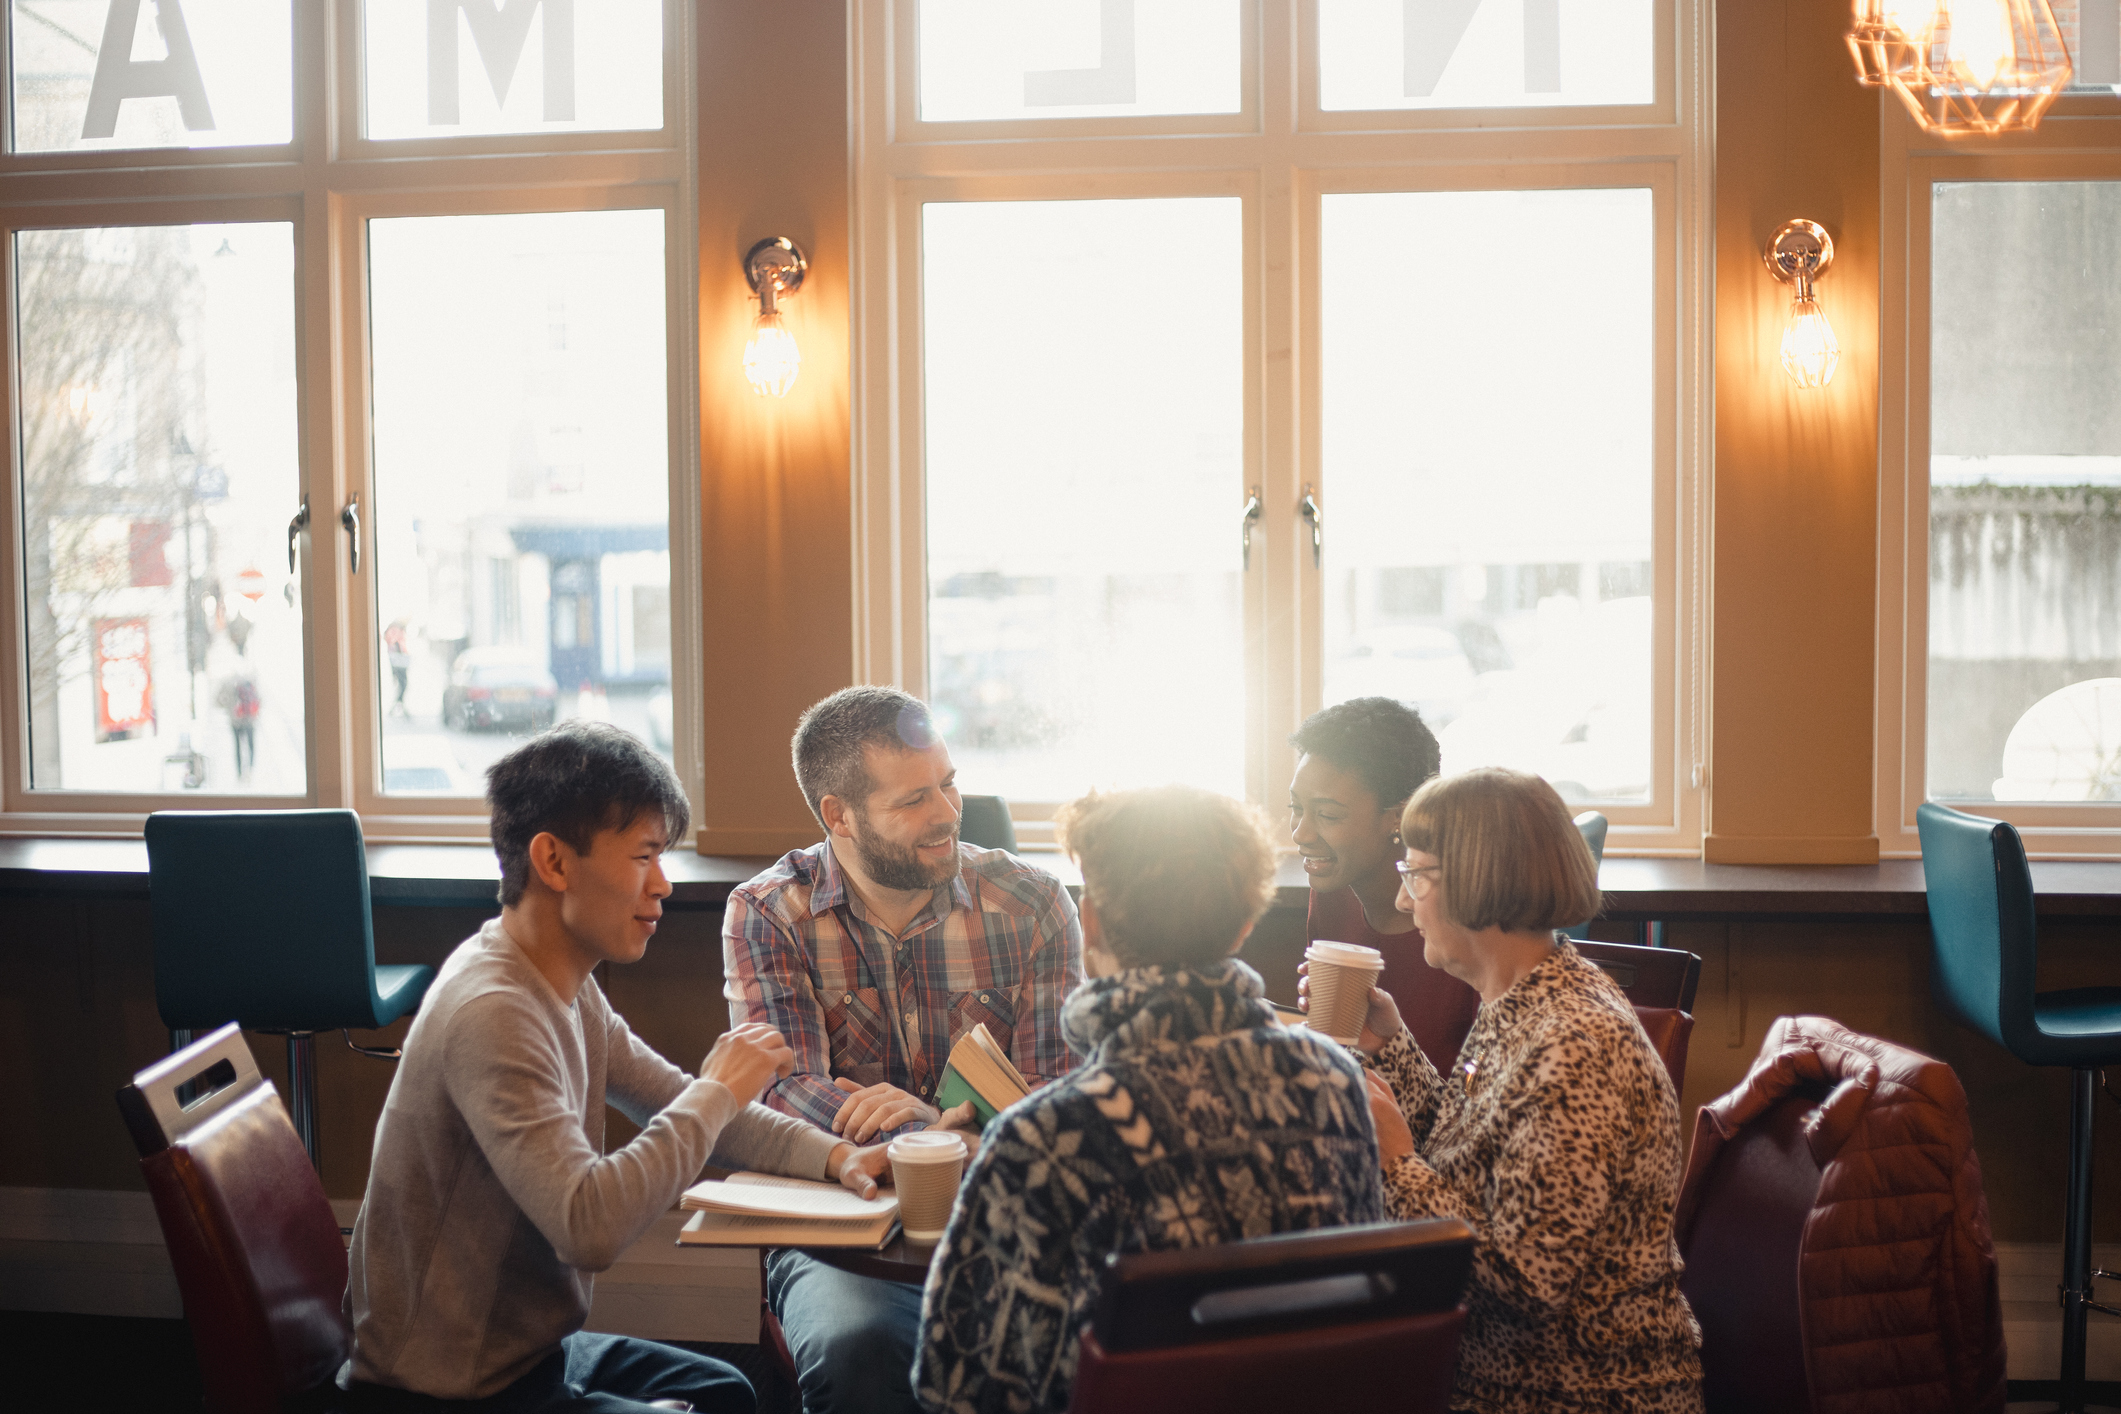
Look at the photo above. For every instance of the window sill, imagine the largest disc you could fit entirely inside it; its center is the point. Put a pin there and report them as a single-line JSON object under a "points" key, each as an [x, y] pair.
{"points": [[399, 875], [1636, 890]]}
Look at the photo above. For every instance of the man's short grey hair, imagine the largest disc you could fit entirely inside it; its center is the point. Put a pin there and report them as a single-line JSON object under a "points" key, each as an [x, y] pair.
{"points": [[832, 736]]}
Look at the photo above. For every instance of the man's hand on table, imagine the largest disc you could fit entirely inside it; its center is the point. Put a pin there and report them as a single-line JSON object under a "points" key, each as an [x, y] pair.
{"points": [[859, 1170], [869, 1110]]}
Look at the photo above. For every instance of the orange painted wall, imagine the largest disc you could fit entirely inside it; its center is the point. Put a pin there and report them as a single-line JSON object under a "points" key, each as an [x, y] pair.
{"points": [[775, 491], [1796, 471]]}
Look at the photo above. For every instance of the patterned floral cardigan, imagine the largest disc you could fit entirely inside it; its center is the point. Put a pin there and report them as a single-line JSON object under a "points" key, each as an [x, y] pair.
{"points": [[1195, 1120], [1556, 1136]]}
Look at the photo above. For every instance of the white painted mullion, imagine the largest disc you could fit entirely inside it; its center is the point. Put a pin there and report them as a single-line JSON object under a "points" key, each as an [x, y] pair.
{"points": [[688, 630], [321, 61], [1282, 615]]}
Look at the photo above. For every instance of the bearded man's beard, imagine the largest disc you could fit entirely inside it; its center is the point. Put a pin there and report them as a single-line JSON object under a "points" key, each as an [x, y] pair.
{"points": [[899, 866]]}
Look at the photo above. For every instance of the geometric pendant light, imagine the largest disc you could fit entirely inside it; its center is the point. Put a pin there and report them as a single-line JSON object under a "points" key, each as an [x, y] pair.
{"points": [[1963, 67]]}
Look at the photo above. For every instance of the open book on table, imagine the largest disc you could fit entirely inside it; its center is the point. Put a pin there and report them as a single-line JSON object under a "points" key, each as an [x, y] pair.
{"points": [[980, 1071], [764, 1210]]}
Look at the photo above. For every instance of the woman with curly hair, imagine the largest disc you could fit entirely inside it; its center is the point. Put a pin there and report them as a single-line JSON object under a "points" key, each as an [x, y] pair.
{"points": [[1194, 1118]]}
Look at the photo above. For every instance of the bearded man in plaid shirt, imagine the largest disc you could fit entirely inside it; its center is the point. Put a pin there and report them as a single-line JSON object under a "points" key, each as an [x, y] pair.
{"points": [[871, 953]]}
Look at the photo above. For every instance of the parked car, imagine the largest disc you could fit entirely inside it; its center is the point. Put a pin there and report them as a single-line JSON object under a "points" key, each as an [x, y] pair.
{"points": [[500, 687], [422, 765]]}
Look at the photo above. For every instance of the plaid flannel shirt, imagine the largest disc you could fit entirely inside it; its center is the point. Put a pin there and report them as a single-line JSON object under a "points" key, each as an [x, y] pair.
{"points": [[999, 943]]}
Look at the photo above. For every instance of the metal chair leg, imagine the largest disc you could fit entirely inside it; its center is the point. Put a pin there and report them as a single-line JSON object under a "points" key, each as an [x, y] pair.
{"points": [[2077, 1239], [302, 1090]]}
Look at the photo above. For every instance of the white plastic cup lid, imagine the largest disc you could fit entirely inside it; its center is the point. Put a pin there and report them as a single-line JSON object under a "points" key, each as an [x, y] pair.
{"points": [[927, 1146], [1345, 955]]}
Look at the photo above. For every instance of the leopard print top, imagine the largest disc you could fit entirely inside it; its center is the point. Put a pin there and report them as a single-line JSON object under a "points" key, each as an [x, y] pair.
{"points": [[1556, 1136]]}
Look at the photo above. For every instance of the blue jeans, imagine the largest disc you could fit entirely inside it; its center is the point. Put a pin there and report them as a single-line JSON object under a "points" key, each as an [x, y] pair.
{"points": [[588, 1374], [852, 1337]]}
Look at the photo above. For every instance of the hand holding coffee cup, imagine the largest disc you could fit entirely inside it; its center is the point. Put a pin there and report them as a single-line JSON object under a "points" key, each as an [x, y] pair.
{"points": [[1340, 977], [1379, 1027], [926, 1168]]}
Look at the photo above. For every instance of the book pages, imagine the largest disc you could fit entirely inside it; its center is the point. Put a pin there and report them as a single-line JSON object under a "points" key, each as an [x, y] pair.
{"points": [[773, 1196], [759, 1230], [989, 1047]]}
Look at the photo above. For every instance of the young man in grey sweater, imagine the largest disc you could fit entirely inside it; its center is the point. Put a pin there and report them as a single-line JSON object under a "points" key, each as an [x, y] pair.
{"points": [[491, 1202]]}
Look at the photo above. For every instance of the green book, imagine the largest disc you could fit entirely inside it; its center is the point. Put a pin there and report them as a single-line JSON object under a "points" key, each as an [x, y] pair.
{"points": [[980, 1071], [955, 1090]]}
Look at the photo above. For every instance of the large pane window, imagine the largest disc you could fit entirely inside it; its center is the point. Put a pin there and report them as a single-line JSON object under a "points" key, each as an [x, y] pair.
{"points": [[1488, 463], [522, 475], [93, 74], [1084, 472], [318, 493], [159, 471], [2025, 492]]}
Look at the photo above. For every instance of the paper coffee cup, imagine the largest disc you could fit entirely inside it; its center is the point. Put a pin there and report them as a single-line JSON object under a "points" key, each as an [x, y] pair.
{"points": [[926, 1167], [1342, 975]]}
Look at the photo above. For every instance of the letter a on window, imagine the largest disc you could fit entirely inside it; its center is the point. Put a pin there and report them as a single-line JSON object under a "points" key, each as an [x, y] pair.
{"points": [[499, 30], [119, 76]]}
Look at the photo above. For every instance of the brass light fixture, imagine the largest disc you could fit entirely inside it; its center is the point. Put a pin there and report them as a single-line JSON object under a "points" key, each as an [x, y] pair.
{"points": [[773, 268], [1799, 253], [1963, 67]]}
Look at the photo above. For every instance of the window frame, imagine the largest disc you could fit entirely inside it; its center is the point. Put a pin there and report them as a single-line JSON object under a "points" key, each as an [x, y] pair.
{"points": [[327, 180], [2080, 140], [1281, 161]]}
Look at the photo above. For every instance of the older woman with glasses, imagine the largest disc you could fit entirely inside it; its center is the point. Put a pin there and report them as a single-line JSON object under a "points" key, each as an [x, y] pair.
{"points": [[1555, 1133]]}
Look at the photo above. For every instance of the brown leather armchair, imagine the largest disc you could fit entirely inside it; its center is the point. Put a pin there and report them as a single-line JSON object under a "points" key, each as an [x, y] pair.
{"points": [[1836, 1235], [255, 1244]]}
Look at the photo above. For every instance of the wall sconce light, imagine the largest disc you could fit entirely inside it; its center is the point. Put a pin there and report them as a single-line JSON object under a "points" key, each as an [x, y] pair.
{"points": [[1798, 254], [1963, 67], [774, 267]]}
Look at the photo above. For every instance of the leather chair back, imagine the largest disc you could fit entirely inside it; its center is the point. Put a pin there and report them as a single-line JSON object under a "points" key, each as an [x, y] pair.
{"points": [[1671, 1032], [1741, 1265], [1651, 977], [250, 1233], [1983, 944], [1660, 982], [1368, 1314], [262, 917], [1404, 1364], [986, 823]]}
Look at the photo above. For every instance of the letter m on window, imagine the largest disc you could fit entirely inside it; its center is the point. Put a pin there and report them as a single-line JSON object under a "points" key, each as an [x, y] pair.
{"points": [[499, 30]]}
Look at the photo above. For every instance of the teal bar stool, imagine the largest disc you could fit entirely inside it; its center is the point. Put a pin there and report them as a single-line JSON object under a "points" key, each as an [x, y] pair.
{"points": [[1984, 950], [1592, 826], [261, 917]]}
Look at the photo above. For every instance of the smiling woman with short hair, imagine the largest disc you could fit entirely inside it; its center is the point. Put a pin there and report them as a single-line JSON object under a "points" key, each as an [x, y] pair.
{"points": [[1556, 1132]]}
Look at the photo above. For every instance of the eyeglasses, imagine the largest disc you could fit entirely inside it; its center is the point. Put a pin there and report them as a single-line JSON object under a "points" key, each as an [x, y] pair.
{"points": [[1419, 882]]}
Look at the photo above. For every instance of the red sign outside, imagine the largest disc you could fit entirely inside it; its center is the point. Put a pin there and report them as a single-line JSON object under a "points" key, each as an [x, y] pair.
{"points": [[124, 680]]}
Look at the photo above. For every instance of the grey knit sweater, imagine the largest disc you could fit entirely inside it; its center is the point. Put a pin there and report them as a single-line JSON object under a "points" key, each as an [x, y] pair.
{"points": [[491, 1200]]}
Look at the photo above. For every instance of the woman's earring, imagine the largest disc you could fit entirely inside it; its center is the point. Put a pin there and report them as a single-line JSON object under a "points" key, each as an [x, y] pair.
{"points": [[1397, 843]]}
